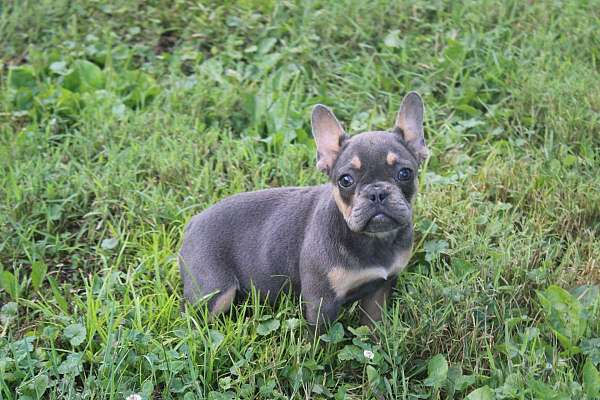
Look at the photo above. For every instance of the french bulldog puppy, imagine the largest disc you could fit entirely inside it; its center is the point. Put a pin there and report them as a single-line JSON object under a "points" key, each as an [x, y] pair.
{"points": [[332, 244]]}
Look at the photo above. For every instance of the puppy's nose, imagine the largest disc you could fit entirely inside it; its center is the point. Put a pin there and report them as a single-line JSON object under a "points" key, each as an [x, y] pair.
{"points": [[377, 195]]}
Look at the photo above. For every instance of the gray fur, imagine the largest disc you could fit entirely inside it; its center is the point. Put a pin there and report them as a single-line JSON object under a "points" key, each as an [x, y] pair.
{"points": [[301, 240]]}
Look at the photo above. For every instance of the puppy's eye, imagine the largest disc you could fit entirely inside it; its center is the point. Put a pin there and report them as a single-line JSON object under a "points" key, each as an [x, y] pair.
{"points": [[346, 181], [404, 174]]}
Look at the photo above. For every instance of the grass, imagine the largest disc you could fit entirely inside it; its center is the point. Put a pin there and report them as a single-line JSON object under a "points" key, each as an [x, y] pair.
{"points": [[120, 120]]}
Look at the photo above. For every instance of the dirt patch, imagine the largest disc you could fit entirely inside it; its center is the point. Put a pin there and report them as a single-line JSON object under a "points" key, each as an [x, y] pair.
{"points": [[166, 42]]}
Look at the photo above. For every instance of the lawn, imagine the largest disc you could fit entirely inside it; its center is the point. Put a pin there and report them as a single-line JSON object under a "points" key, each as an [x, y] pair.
{"points": [[120, 120]]}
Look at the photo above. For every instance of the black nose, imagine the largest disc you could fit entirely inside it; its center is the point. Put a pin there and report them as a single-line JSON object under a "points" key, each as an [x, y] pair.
{"points": [[377, 195]]}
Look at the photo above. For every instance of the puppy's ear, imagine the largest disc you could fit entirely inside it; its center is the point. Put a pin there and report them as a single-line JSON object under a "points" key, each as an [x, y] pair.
{"points": [[409, 125], [328, 134]]}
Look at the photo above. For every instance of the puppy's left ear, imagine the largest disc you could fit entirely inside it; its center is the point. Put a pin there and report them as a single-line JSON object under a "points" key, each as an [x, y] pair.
{"points": [[328, 134], [409, 125]]}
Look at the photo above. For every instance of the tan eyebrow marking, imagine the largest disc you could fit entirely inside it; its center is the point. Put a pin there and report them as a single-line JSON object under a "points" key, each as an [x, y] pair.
{"points": [[391, 158], [355, 162]]}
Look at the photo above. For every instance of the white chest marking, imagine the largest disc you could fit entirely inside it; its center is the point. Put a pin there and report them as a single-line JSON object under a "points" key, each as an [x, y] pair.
{"points": [[343, 280]]}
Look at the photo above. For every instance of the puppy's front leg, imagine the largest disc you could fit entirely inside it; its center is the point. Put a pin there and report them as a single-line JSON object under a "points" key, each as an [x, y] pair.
{"points": [[371, 306], [321, 306], [319, 312]]}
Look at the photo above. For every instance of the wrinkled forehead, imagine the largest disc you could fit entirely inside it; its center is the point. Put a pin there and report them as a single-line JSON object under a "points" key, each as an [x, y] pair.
{"points": [[377, 148]]}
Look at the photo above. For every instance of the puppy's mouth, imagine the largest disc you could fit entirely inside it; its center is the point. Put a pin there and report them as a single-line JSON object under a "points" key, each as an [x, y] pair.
{"points": [[380, 223]]}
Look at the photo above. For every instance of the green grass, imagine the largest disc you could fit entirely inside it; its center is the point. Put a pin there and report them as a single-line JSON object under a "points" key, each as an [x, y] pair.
{"points": [[102, 164]]}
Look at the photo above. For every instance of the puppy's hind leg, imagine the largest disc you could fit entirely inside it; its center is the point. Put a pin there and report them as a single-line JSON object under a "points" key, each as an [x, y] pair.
{"points": [[221, 302], [204, 283], [218, 299]]}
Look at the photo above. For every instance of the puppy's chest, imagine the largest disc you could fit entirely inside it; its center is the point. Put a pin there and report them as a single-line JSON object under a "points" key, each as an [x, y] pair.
{"points": [[344, 280]]}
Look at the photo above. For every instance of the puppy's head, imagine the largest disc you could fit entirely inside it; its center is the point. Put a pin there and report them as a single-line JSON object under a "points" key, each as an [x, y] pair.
{"points": [[374, 174]]}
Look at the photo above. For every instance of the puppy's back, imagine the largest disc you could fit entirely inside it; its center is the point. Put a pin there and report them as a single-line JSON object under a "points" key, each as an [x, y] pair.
{"points": [[255, 236]]}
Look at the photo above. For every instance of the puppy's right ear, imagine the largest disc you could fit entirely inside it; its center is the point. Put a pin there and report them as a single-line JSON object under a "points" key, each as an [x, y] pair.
{"points": [[328, 134], [409, 125]]}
